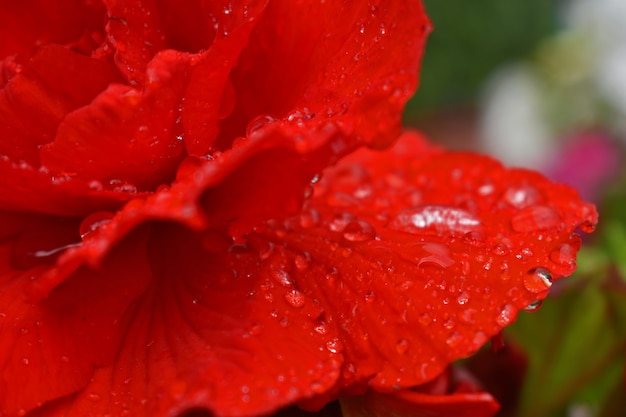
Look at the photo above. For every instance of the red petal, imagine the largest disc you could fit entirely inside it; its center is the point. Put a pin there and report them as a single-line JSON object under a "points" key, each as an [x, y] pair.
{"points": [[23, 188], [49, 349], [126, 135], [25, 24], [352, 61], [414, 404], [139, 29], [53, 83], [418, 257], [327, 302]]}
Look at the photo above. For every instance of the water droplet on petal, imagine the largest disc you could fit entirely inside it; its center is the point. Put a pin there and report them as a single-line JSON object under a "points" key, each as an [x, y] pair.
{"points": [[438, 218], [321, 327], [564, 255], [463, 298], [93, 222], [506, 315], [454, 339], [309, 218], [334, 345], [536, 218], [538, 280], [281, 276], [522, 196], [295, 298], [534, 306], [358, 231], [340, 221], [258, 123], [302, 261], [402, 346]]}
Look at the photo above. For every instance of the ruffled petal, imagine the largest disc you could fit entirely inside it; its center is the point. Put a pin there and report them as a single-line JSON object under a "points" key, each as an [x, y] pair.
{"points": [[305, 70], [126, 135], [49, 348], [419, 256], [54, 82], [198, 335], [26, 24], [382, 281], [24, 188], [139, 29], [414, 404]]}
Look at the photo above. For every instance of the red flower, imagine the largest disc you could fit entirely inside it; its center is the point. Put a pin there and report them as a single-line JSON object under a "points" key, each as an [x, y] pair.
{"points": [[158, 254]]}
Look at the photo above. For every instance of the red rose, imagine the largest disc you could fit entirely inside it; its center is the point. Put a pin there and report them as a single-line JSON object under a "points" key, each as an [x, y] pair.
{"points": [[164, 249]]}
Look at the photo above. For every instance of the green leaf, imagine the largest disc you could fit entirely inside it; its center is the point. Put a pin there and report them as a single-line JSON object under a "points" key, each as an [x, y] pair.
{"points": [[575, 348]]}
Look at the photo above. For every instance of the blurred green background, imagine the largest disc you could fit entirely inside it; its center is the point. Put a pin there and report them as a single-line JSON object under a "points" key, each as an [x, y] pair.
{"points": [[470, 40], [574, 346]]}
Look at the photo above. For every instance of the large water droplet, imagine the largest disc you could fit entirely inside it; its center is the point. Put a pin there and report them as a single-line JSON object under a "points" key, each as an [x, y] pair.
{"points": [[358, 231], [536, 218], [438, 218], [538, 280]]}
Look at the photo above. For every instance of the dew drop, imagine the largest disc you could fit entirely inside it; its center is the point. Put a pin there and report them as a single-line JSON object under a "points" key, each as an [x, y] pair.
{"points": [[255, 329], [302, 261], [402, 346], [506, 315], [538, 280], [454, 339], [25, 361], [436, 254], [334, 346], [320, 327], [295, 298], [564, 255], [340, 221], [534, 306], [425, 319], [309, 218], [463, 298], [535, 218], [370, 297], [281, 276], [266, 250], [480, 338], [258, 123], [93, 222], [358, 231], [438, 218], [93, 397], [522, 196], [65, 359]]}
